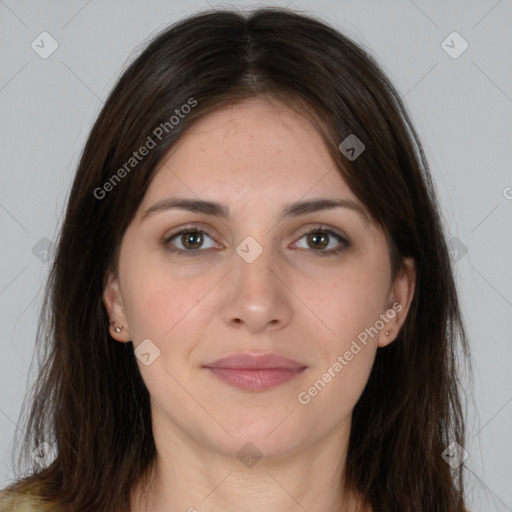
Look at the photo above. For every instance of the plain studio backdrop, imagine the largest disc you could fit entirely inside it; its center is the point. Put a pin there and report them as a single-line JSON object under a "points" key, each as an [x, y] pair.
{"points": [[451, 62]]}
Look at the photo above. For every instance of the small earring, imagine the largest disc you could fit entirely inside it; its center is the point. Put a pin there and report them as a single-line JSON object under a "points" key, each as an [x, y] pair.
{"points": [[116, 329], [387, 333]]}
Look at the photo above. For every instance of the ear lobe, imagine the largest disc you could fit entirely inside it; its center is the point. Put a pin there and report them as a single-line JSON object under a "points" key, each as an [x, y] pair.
{"points": [[400, 299], [113, 301]]}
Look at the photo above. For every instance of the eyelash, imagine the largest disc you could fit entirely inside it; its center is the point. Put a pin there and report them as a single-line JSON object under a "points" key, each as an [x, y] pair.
{"points": [[344, 243]]}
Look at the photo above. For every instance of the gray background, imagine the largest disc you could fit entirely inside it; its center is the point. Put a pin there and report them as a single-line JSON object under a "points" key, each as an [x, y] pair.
{"points": [[462, 108]]}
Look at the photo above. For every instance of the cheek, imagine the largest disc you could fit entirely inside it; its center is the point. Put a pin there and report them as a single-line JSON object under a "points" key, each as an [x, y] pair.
{"points": [[348, 302], [157, 307], [348, 308], [165, 310], [348, 343], [156, 298], [332, 393]]}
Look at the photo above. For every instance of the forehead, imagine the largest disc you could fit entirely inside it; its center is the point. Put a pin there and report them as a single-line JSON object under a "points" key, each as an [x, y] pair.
{"points": [[255, 149]]}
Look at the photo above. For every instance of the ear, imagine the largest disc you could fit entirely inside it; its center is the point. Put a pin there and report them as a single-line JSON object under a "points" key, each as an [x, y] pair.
{"points": [[113, 301], [399, 301]]}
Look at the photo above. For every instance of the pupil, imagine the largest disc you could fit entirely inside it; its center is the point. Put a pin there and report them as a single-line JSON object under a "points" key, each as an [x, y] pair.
{"points": [[315, 237], [196, 240]]}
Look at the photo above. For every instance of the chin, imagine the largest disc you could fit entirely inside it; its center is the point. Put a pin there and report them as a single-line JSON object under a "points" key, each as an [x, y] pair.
{"points": [[259, 436]]}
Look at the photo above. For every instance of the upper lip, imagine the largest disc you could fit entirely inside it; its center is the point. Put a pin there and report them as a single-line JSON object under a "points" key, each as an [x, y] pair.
{"points": [[245, 360]]}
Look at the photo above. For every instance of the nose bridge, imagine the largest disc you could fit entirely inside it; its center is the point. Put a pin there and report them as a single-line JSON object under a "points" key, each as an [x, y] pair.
{"points": [[252, 268], [257, 297]]}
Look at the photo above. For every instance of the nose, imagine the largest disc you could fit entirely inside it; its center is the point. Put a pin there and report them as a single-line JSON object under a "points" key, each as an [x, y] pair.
{"points": [[258, 297]]}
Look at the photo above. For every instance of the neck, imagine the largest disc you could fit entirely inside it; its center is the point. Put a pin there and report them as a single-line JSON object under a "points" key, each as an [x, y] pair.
{"points": [[190, 477]]}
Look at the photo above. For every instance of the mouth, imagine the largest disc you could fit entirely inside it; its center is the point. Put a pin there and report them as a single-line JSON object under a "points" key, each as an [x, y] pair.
{"points": [[255, 372]]}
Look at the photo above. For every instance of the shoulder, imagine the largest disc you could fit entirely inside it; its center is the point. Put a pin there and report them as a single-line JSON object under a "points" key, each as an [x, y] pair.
{"points": [[15, 502]]}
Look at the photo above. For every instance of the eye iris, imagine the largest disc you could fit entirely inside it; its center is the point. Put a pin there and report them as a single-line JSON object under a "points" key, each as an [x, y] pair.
{"points": [[318, 237], [194, 237]]}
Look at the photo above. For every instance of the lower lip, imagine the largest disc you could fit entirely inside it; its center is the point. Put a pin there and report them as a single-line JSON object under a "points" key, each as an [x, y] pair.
{"points": [[255, 380]]}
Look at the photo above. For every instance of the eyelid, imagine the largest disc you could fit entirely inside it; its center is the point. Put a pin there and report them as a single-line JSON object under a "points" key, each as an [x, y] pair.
{"points": [[191, 227], [324, 227]]}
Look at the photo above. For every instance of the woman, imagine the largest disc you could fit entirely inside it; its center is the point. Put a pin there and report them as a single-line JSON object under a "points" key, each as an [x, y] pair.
{"points": [[252, 305]]}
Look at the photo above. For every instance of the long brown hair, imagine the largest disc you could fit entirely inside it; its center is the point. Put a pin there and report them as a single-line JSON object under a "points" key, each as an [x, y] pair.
{"points": [[89, 400]]}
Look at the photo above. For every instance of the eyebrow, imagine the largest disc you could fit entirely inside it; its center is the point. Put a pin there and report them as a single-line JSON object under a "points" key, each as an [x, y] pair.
{"points": [[222, 211]]}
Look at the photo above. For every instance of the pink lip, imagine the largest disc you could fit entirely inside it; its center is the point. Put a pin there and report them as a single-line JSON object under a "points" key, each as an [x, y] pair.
{"points": [[255, 372]]}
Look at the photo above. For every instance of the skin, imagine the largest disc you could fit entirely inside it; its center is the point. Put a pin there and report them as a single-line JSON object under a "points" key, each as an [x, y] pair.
{"points": [[254, 157]]}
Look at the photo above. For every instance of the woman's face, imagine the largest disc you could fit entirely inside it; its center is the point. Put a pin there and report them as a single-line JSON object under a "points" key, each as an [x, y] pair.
{"points": [[252, 280]]}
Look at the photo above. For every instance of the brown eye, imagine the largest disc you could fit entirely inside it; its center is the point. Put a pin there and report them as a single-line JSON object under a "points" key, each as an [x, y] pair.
{"points": [[319, 239], [189, 241], [192, 239]]}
